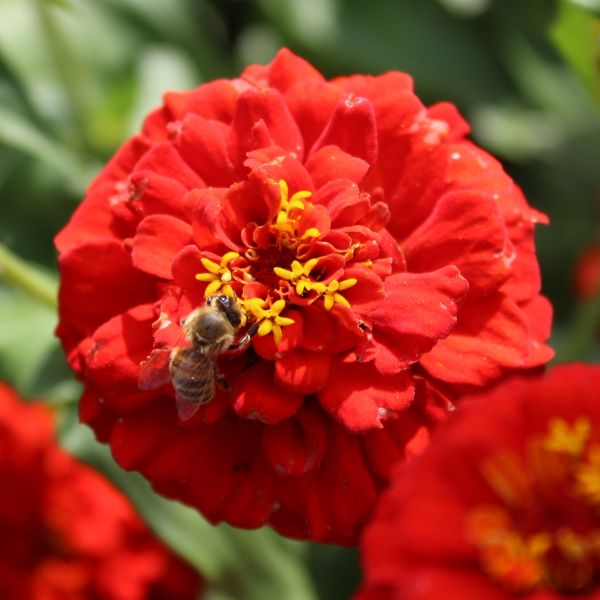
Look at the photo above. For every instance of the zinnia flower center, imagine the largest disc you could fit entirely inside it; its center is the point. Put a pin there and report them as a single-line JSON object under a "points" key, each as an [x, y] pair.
{"points": [[287, 261], [545, 531]]}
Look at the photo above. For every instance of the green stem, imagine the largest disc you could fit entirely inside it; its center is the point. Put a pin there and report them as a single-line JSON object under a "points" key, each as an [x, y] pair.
{"points": [[24, 276], [583, 331]]}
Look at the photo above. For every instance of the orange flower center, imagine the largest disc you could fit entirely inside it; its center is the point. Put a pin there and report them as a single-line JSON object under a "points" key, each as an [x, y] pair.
{"points": [[279, 263], [544, 531]]}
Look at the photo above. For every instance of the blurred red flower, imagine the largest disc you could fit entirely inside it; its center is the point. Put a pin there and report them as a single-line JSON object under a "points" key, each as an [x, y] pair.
{"points": [[67, 534], [388, 263], [504, 502], [586, 275]]}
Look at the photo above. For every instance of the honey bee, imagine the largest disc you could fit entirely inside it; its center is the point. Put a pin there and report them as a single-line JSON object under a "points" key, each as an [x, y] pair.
{"points": [[192, 368]]}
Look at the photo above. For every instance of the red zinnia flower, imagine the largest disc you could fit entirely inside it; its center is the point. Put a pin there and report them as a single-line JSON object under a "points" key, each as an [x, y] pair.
{"points": [[66, 533], [505, 501], [387, 263]]}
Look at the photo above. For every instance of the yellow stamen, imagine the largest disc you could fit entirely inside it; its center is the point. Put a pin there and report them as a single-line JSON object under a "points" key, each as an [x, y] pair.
{"points": [[331, 295], [289, 215], [299, 275], [268, 316], [218, 275], [311, 232], [587, 476], [567, 439], [505, 555]]}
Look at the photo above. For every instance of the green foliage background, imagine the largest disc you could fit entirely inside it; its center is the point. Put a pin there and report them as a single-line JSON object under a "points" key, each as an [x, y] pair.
{"points": [[77, 76]]}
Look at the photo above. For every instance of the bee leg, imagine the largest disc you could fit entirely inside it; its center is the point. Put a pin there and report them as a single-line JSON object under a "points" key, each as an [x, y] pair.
{"points": [[222, 381], [244, 341]]}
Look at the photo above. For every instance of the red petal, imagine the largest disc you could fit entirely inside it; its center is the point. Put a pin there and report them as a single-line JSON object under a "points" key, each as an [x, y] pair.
{"points": [[539, 312], [376, 87], [410, 172], [291, 336], [539, 315], [361, 398], [232, 481], [287, 69], [244, 203], [157, 194], [210, 225], [296, 446], [447, 112], [386, 448], [317, 329], [267, 104], [337, 498], [202, 144], [94, 412], [163, 160], [213, 100], [352, 127], [525, 282], [491, 337], [137, 437], [471, 167], [423, 304], [331, 162], [466, 229], [98, 282], [184, 268], [344, 202], [302, 371], [272, 164], [118, 348], [312, 103], [158, 240], [92, 218], [257, 396]]}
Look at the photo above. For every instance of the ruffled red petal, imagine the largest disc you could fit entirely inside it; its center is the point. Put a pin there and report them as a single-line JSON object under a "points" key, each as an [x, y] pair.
{"points": [[352, 128], [362, 399], [466, 229], [99, 281], [159, 238], [257, 396], [491, 338]]}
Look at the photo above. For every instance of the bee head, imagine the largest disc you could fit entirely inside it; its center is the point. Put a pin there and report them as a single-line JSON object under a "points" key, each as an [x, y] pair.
{"points": [[228, 306]]}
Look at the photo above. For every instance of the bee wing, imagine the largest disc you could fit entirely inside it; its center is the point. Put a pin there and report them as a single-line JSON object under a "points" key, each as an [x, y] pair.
{"points": [[154, 371], [197, 389]]}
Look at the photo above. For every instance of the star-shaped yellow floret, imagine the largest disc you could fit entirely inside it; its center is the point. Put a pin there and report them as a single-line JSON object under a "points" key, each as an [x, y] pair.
{"points": [[299, 273], [268, 316], [218, 275]]}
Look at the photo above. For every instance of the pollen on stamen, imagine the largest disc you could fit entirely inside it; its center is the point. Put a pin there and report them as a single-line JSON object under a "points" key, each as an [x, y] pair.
{"points": [[298, 275], [217, 275], [289, 215], [268, 317]]}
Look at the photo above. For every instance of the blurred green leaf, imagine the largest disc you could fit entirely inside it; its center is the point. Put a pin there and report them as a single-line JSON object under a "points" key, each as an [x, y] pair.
{"points": [[159, 69], [26, 338], [466, 8], [422, 38], [22, 135], [239, 564], [581, 336], [576, 34], [589, 4]]}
